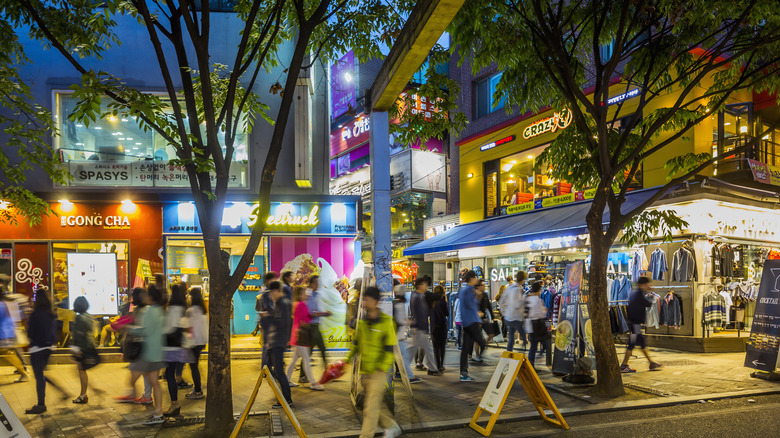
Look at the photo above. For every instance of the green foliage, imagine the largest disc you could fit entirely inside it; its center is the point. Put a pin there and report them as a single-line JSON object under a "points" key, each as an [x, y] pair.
{"points": [[686, 163], [650, 223]]}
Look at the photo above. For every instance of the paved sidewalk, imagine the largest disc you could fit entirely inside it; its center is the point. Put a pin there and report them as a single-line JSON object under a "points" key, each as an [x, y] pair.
{"points": [[438, 402]]}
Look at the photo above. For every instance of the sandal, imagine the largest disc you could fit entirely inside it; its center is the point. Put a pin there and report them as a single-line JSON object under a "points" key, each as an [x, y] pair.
{"points": [[81, 400]]}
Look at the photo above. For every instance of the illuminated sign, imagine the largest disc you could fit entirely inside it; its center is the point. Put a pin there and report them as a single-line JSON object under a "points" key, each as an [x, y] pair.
{"points": [[438, 229], [624, 96], [553, 123], [361, 126], [285, 217], [110, 222], [488, 146]]}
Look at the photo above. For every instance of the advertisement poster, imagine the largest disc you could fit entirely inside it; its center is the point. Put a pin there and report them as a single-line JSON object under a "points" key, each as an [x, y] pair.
{"points": [[565, 341], [94, 277], [586, 328], [500, 384], [764, 342], [343, 79], [334, 260]]}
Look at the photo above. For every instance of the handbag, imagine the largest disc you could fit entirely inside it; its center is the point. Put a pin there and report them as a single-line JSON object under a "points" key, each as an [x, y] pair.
{"points": [[174, 339], [304, 335], [89, 359], [132, 350]]}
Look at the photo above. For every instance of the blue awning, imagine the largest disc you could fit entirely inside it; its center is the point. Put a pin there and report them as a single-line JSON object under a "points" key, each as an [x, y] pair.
{"points": [[559, 221]]}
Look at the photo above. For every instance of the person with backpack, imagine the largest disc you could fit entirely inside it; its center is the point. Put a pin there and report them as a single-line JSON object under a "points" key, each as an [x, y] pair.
{"points": [[301, 326], [84, 348], [512, 308], [636, 313]]}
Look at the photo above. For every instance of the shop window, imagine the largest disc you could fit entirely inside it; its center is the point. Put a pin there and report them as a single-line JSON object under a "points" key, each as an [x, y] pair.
{"points": [[520, 182], [91, 277], [115, 151], [407, 213], [484, 95]]}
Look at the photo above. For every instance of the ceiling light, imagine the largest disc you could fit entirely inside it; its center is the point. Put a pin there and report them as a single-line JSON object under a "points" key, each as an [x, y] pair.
{"points": [[129, 138], [139, 144], [511, 175], [727, 124], [403, 214], [506, 167], [531, 157], [79, 125], [513, 161], [98, 127], [470, 175], [124, 120], [65, 205], [79, 144], [743, 129], [121, 138], [348, 77], [111, 118]]}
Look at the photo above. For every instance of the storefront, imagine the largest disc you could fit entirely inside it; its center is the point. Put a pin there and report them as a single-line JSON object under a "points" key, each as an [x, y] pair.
{"points": [[732, 230], [303, 235], [96, 250]]}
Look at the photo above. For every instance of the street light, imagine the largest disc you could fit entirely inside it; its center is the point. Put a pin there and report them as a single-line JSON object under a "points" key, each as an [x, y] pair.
{"points": [[348, 77]]}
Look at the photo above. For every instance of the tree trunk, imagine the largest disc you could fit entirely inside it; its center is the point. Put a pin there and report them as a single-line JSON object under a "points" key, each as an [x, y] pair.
{"points": [[610, 381], [219, 403]]}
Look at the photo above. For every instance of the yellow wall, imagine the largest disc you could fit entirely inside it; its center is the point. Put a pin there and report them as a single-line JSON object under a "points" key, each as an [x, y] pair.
{"points": [[472, 189]]}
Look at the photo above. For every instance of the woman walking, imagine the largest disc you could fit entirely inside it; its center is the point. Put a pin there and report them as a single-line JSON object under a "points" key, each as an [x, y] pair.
{"points": [[84, 350], [9, 342], [150, 330], [198, 337], [41, 331], [139, 305], [301, 320], [174, 353], [440, 311]]}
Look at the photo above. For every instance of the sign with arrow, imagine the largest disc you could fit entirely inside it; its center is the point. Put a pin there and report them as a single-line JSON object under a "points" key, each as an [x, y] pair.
{"points": [[764, 343]]}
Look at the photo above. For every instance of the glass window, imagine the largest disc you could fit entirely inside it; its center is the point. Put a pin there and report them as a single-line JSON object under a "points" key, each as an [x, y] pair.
{"points": [[484, 92], [407, 214], [115, 151], [519, 183]]}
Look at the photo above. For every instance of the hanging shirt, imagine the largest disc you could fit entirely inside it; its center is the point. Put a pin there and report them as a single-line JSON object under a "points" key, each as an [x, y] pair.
{"points": [[727, 299], [654, 311], [621, 287], [716, 261], [684, 265], [658, 265], [639, 264], [727, 260]]}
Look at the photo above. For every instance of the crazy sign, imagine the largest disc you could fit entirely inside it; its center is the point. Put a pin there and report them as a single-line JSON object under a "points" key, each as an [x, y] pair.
{"points": [[559, 120]]}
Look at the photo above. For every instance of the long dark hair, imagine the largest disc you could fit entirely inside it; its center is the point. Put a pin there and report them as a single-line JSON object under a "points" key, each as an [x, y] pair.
{"points": [[137, 300], [42, 299], [178, 295], [196, 299]]}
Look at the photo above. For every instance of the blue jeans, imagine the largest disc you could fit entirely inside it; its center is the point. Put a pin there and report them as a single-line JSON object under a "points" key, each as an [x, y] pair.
{"points": [[513, 327], [403, 345]]}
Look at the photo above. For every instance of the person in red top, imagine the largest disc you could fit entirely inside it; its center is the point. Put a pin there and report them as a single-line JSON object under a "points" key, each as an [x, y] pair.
{"points": [[301, 315]]}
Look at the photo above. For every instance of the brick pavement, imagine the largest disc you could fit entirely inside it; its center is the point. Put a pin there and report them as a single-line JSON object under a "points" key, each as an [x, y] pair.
{"points": [[437, 401]]}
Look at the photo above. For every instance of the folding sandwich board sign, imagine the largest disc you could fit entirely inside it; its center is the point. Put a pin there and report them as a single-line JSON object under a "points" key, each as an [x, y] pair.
{"points": [[10, 426], [513, 366], [265, 374]]}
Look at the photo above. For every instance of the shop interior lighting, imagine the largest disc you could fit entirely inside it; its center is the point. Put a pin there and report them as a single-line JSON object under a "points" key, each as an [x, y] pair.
{"points": [[403, 214], [513, 161], [98, 127], [531, 157], [766, 137], [727, 124], [507, 167], [124, 120], [470, 175], [79, 125], [79, 144], [743, 129], [138, 144], [65, 205]]}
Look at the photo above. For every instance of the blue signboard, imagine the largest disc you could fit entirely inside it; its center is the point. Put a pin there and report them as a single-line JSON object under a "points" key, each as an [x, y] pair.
{"points": [[323, 218]]}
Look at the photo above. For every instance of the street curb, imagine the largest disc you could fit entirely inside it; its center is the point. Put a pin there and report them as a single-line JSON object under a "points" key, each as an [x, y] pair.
{"points": [[526, 416]]}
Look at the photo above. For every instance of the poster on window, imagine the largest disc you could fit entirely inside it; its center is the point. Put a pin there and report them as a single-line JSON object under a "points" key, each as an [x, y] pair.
{"points": [[94, 277], [568, 330], [336, 261], [429, 171], [764, 343]]}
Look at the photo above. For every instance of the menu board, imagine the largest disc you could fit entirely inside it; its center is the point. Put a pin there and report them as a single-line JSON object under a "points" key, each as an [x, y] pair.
{"points": [[94, 277]]}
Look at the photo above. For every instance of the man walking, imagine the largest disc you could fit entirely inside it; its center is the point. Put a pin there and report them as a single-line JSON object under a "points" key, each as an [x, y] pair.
{"points": [[419, 325], [278, 323], [638, 302], [264, 305], [374, 341], [471, 323], [511, 303]]}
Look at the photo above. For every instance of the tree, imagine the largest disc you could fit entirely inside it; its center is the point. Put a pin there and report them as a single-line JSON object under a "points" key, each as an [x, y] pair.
{"points": [[551, 50], [212, 101]]}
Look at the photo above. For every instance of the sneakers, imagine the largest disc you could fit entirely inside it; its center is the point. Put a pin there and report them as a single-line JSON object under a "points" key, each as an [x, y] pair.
{"points": [[143, 400], [627, 369], [154, 420], [420, 367], [414, 380], [476, 360], [126, 398], [22, 378], [37, 409], [435, 373], [194, 395], [655, 366], [294, 385], [303, 380], [392, 433], [184, 385], [466, 378], [279, 406], [316, 387]]}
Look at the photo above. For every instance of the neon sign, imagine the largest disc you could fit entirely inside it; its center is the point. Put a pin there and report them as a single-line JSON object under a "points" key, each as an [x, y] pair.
{"points": [[624, 96], [285, 217], [499, 142], [557, 121]]}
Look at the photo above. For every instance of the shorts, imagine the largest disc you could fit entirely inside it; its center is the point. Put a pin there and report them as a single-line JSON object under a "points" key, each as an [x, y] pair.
{"points": [[636, 338]]}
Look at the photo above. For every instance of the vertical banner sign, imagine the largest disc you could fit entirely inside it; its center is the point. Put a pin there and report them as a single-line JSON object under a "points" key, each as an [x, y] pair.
{"points": [[343, 80], [565, 342], [585, 325], [762, 347]]}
